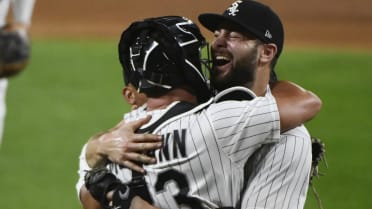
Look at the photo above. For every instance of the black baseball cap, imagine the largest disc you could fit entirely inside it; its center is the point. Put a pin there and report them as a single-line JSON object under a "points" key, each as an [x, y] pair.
{"points": [[253, 17]]}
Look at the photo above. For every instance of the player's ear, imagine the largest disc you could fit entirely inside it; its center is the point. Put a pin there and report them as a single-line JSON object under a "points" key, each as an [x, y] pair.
{"points": [[132, 96], [268, 53], [129, 94]]}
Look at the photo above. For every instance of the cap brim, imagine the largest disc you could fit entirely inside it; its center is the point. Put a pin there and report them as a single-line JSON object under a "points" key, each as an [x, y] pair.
{"points": [[212, 21]]}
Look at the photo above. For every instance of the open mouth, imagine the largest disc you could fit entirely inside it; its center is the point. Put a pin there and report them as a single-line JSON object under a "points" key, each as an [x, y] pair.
{"points": [[221, 60]]}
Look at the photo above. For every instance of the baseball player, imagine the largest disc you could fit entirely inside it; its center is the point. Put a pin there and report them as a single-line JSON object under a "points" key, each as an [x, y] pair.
{"points": [[278, 173], [230, 162], [14, 45]]}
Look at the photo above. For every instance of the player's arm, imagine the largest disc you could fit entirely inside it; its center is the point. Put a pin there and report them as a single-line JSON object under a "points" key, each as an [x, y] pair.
{"points": [[139, 203], [296, 105], [121, 145], [87, 200]]}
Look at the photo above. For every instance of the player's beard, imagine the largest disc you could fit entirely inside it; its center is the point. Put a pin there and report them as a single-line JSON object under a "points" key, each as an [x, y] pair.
{"points": [[242, 73]]}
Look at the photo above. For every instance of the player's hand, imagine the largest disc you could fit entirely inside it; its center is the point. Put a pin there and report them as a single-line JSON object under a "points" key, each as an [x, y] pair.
{"points": [[121, 145]]}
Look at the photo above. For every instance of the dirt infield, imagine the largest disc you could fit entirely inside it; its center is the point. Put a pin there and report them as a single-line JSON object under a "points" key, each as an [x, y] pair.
{"points": [[341, 23]]}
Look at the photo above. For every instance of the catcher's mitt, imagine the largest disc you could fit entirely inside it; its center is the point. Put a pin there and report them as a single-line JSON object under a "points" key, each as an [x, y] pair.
{"points": [[14, 52], [318, 153], [101, 181]]}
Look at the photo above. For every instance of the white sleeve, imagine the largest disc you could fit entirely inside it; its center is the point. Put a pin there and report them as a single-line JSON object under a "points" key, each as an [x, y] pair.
{"points": [[243, 126], [83, 167], [4, 8], [22, 11]]}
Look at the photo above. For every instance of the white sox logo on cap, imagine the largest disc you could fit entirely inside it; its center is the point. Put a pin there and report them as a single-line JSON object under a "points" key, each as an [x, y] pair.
{"points": [[233, 9], [268, 34]]}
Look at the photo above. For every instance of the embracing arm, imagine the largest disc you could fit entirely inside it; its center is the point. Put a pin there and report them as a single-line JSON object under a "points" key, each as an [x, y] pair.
{"points": [[296, 105], [87, 200], [139, 203], [121, 145]]}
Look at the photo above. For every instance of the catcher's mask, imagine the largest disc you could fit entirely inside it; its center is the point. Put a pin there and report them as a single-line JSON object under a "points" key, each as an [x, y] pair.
{"points": [[164, 53]]}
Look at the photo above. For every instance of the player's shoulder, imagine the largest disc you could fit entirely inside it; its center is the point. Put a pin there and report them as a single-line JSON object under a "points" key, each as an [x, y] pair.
{"points": [[136, 114], [241, 98], [176, 111], [236, 93], [231, 98]]}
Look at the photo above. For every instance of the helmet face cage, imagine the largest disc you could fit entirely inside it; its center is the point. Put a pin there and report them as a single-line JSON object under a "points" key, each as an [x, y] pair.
{"points": [[206, 62], [165, 52]]}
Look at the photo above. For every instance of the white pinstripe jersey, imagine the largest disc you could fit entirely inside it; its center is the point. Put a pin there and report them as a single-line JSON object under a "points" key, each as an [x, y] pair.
{"points": [[279, 173], [205, 149]]}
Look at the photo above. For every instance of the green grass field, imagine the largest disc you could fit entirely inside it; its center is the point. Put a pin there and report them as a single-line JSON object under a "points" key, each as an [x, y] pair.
{"points": [[72, 89]]}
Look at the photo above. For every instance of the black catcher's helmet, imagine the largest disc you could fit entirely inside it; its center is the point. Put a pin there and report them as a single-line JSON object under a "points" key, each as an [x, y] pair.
{"points": [[159, 54]]}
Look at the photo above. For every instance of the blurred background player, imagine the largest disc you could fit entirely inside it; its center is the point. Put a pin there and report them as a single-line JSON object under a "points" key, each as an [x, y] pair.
{"points": [[14, 44]]}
